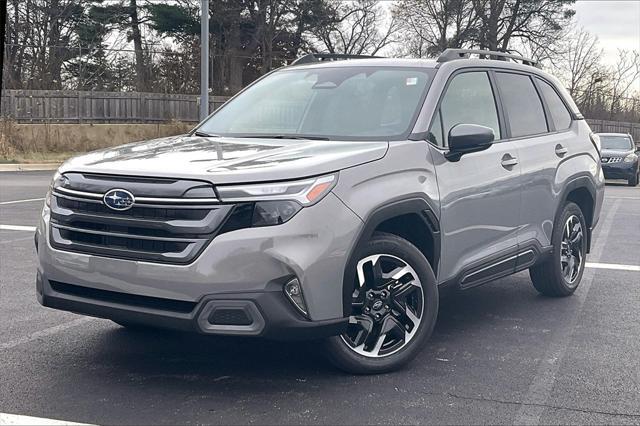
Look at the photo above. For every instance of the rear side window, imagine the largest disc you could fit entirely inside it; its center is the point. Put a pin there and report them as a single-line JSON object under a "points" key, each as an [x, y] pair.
{"points": [[523, 105], [469, 100], [559, 113]]}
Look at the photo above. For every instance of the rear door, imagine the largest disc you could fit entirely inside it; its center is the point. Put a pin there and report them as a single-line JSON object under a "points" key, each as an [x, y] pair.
{"points": [[480, 193], [540, 125]]}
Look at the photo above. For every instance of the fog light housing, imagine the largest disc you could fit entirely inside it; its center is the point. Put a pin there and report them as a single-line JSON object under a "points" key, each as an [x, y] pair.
{"points": [[293, 291]]}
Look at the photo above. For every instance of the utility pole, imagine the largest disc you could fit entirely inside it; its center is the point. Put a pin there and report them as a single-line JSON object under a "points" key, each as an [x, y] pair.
{"points": [[204, 60]]}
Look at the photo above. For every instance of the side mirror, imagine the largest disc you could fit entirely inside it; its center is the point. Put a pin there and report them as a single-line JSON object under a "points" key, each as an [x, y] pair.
{"points": [[466, 138]]}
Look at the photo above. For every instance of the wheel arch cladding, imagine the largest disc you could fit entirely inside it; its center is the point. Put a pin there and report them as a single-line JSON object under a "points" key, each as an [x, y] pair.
{"points": [[412, 219], [581, 191]]}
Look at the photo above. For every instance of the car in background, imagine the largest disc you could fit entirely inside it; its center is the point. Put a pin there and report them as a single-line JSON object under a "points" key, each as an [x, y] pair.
{"points": [[620, 157]]}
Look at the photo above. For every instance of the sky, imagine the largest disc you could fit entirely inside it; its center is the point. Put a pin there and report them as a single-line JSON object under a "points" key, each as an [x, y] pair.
{"points": [[615, 22]]}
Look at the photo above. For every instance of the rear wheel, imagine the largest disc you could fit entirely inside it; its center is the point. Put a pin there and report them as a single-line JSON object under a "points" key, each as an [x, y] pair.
{"points": [[394, 308], [561, 274]]}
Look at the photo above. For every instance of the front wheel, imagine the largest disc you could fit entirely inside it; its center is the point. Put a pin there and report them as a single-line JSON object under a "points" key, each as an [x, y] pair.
{"points": [[394, 308], [634, 180], [560, 275]]}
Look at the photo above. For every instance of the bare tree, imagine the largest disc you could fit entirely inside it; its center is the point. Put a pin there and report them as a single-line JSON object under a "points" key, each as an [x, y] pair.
{"points": [[622, 77], [577, 62], [359, 27], [39, 41], [431, 26], [537, 21]]}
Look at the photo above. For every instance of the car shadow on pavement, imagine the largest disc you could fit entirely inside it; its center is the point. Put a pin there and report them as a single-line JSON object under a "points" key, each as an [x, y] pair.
{"points": [[181, 356]]}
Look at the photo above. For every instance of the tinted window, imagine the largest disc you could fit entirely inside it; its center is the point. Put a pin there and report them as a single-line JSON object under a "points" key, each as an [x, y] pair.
{"points": [[559, 113], [336, 103], [616, 143], [469, 100], [523, 105]]}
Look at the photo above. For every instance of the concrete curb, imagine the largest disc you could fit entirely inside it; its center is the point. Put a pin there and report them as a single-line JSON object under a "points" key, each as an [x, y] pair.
{"points": [[25, 167]]}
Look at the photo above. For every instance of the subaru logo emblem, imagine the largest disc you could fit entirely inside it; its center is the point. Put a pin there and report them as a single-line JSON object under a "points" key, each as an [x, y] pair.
{"points": [[119, 199]]}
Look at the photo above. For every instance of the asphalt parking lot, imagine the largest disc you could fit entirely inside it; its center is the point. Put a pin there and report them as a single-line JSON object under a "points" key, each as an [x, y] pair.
{"points": [[500, 353]]}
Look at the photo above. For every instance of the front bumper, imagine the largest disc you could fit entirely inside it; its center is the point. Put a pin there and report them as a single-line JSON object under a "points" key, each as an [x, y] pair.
{"points": [[620, 170], [244, 269], [263, 314]]}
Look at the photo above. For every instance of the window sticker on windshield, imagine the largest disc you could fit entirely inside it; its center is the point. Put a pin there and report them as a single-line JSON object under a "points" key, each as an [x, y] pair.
{"points": [[412, 81]]}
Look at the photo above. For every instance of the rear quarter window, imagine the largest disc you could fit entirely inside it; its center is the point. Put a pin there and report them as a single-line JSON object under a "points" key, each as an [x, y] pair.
{"points": [[559, 112]]}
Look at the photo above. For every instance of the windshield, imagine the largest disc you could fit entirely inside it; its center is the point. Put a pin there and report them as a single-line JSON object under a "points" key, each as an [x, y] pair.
{"points": [[349, 103], [616, 143]]}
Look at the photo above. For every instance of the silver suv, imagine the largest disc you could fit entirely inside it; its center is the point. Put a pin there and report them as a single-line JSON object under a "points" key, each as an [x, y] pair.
{"points": [[332, 199]]}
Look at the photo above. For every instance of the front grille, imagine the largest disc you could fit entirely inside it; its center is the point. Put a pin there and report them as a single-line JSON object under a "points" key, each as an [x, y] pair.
{"points": [[123, 243], [135, 212], [167, 223], [611, 160]]}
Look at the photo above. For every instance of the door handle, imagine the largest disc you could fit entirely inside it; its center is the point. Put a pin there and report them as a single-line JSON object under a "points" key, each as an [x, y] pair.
{"points": [[561, 151], [508, 161]]}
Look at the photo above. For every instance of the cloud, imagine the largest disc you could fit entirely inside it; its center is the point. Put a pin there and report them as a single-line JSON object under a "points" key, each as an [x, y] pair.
{"points": [[616, 23]]}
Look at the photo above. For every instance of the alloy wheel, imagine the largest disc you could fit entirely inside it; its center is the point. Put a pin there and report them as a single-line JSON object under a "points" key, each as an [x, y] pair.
{"points": [[387, 306], [572, 249]]}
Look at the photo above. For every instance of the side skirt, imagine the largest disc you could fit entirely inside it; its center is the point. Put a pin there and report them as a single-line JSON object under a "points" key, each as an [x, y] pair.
{"points": [[498, 266]]}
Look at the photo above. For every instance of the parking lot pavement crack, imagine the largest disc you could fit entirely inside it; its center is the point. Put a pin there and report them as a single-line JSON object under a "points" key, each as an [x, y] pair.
{"points": [[551, 406]]}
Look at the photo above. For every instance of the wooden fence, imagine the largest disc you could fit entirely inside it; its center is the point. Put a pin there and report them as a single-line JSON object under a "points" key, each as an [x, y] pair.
{"points": [[604, 126], [65, 106]]}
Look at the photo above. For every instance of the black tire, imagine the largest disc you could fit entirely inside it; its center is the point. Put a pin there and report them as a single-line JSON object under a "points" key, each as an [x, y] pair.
{"points": [[550, 278], [634, 180], [344, 356]]}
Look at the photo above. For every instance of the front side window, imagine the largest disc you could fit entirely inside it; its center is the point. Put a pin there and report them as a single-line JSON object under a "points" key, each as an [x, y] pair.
{"points": [[523, 105], [348, 103], [616, 143], [559, 113], [469, 100]]}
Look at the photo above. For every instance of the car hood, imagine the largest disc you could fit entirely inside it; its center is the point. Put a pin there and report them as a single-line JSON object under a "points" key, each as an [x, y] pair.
{"points": [[616, 153], [228, 160]]}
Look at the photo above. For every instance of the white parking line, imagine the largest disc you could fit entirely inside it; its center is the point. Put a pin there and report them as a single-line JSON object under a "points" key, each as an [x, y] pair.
{"points": [[17, 228], [613, 197], [15, 419], [21, 201], [614, 266], [44, 333]]}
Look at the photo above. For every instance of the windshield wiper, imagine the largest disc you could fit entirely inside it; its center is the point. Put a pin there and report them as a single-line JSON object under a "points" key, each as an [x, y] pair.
{"points": [[313, 138], [204, 134]]}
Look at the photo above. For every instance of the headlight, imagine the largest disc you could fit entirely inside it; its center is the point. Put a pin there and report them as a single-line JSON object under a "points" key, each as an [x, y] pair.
{"points": [[305, 192], [55, 181], [276, 203], [267, 213], [631, 158]]}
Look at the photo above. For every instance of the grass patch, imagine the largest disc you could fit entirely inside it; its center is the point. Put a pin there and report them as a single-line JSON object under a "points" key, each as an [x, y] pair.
{"points": [[37, 157], [47, 142]]}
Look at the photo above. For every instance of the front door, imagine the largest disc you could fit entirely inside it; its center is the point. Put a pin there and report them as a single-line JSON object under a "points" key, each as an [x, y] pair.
{"points": [[479, 194]]}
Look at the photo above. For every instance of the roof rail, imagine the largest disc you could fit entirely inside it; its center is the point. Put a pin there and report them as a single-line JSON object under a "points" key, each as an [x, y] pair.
{"points": [[451, 54], [321, 57]]}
